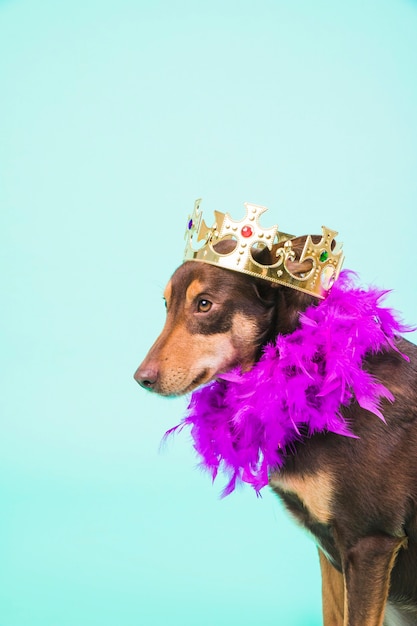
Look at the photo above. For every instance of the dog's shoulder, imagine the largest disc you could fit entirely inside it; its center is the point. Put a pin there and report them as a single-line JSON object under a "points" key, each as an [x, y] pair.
{"points": [[313, 489]]}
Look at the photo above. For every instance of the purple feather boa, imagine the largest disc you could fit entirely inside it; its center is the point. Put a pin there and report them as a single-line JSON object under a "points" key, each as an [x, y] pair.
{"points": [[243, 423]]}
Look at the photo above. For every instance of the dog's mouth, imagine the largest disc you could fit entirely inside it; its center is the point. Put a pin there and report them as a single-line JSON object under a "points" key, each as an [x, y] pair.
{"points": [[170, 386], [232, 375], [200, 379]]}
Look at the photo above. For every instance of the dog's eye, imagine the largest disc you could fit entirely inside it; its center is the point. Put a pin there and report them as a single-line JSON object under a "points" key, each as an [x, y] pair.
{"points": [[203, 306]]}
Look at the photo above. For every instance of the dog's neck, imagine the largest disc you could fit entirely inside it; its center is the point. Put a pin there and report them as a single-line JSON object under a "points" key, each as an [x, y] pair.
{"points": [[289, 305]]}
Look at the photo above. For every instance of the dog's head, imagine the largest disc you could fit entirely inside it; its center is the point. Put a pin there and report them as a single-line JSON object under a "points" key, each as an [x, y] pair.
{"points": [[216, 319]]}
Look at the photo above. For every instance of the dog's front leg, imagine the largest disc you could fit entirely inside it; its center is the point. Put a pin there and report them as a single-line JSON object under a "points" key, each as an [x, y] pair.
{"points": [[367, 569], [333, 593]]}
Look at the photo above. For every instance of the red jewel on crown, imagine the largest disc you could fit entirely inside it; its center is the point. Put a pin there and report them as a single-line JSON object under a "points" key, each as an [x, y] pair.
{"points": [[246, 231]]}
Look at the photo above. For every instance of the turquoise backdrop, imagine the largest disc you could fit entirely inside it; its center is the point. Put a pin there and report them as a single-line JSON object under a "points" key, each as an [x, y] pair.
{"points": [[114, 117]]}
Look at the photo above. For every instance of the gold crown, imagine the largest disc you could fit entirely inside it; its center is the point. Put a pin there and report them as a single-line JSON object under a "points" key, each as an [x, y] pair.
{"points": [[326, 256]]}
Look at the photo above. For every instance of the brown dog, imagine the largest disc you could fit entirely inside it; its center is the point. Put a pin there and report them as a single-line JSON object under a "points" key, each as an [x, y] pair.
{"points": [[358, 497]]}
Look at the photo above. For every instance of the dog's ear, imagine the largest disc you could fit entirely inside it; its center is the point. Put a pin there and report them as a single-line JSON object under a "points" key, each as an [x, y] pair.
{"points": [[297, 246]]}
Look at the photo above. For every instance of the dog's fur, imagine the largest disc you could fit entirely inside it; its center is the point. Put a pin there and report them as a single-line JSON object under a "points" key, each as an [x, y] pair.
{"points": [[358, 497]]}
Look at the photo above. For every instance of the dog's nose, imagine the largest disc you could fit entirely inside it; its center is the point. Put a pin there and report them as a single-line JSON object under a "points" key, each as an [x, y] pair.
{"points": [[146, 377]]}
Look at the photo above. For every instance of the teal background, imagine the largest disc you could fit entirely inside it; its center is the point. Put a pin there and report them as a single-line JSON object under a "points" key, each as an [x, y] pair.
{"points": [[114, 117]]}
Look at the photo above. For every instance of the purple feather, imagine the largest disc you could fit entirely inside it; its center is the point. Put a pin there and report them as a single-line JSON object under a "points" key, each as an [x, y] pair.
{"points": [[243, 423]]}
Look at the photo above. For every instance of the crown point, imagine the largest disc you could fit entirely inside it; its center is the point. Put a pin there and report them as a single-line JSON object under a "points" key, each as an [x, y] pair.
{"points": [[327, 277]]}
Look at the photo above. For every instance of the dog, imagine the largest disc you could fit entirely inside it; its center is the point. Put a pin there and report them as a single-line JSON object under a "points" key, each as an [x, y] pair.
{"points": [[356, 496]]}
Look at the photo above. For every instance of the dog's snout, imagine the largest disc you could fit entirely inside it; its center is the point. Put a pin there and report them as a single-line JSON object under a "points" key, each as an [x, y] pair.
{"points": [[146, 377]]}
